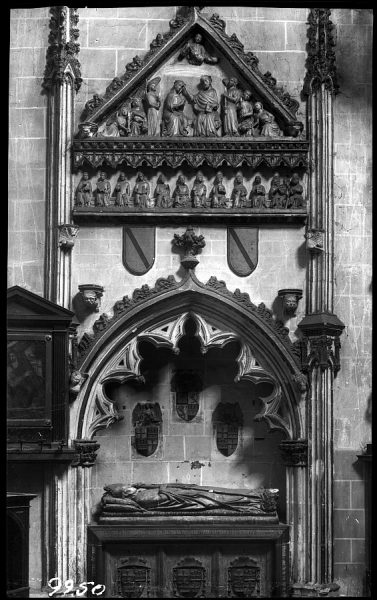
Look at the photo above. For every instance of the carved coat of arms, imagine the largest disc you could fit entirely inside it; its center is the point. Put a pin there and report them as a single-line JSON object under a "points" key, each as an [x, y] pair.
{"points": [[227, 419], [243, 578], [189, 578], [242, 250], [147, 419], [187, 386], [138, 248], [133, 578]]}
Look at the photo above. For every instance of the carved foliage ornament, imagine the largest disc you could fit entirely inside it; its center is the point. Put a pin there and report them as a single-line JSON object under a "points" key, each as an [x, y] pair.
{"points": [[191, 245], [63, 48], [86, 450], [320, 64]]}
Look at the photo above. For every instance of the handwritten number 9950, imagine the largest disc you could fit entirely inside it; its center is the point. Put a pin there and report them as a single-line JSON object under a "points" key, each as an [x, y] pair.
{"points": [[82, 589]]}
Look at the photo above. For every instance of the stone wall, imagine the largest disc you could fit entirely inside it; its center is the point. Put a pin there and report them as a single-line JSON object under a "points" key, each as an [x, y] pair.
{"points": [[353, 276], [109, 38]]}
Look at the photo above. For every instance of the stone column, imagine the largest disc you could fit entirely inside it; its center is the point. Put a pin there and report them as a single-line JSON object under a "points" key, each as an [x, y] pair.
{"points": [[61, 80], [320, 328]]}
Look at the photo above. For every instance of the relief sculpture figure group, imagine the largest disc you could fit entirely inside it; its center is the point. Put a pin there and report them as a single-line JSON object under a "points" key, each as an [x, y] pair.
{"points": [[284, 193]]}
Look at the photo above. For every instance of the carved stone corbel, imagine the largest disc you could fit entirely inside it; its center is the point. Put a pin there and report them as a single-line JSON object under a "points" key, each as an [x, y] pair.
{"points": [[320, 343], [67, 235], [91, 294], [290, 299], [294, 452], [87, 452], [76, 381], [315, 240]]}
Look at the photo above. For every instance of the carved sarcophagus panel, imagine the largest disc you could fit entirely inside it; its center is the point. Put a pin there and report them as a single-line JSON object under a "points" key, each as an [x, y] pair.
{"points": [[189, 578], [133, 578], [243, 578]]}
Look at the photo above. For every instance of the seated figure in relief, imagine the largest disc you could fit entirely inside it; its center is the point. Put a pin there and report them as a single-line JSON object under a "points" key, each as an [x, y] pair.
{"points": [[218, 193], [199, 191], [231, 100], [296, 199], [137, 119], [162, 192], [122, 191], [258, 193], [141, 191], [84, 191], [195, 53], [266, 124], [239, 193], [186, 498], [283, 193], [181, 194], [205, 105], [174, 120], [245, 115], [117, 126], [273, 193], [103, 191]]}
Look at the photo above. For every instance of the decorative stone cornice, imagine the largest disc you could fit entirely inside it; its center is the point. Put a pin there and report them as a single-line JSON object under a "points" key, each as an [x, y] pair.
{"points": [[294, 453], [320, 64], [87, 452], [63, 48]]}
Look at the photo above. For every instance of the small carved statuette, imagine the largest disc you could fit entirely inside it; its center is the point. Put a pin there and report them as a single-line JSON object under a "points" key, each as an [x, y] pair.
{"points": [[103, 191], [195, 53], [181, 194], [258, 193], [199, 191], [153, 102], [84, 191], [315, 240], [118, 126], [87, 452], [75, 383], [296, 191], [246, 115], [191, 244], [290, 299], [162, 193], [218, 193], [122, 192], [231, 100], [205, 105], [141, 192], [265, 122], [273, 194], [137, 119], [174, 121], [67, 235], [282, 193], [239, 193], [91, 294]]}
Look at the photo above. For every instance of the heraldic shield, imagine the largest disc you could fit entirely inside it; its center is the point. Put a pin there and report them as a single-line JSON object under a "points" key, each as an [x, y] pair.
{"points": [[139, 248], [242, 250], [147, 419], [227, 419], [133, 578], [189, 578], [187, 386], [243, 578]]}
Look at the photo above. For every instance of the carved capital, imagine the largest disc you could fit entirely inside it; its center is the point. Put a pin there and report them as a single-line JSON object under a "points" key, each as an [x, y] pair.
{"points": [[67, 235], [290, 299], [321, 68], [320, 346], [294, 453], [315, 240], [61, 62], [87, 452], [91, 294], [191, 245]]}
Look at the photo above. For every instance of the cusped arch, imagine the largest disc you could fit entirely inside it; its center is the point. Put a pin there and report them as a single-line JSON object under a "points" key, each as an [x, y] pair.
{"points": [[266, 351]]}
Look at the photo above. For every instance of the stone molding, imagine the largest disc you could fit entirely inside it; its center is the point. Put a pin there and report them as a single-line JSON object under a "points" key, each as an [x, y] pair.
{"points": [[294, 452]]}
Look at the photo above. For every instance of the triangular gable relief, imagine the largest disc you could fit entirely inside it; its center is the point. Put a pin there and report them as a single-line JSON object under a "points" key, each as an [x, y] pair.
{"points": [[22, 303], [164, 64]]}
